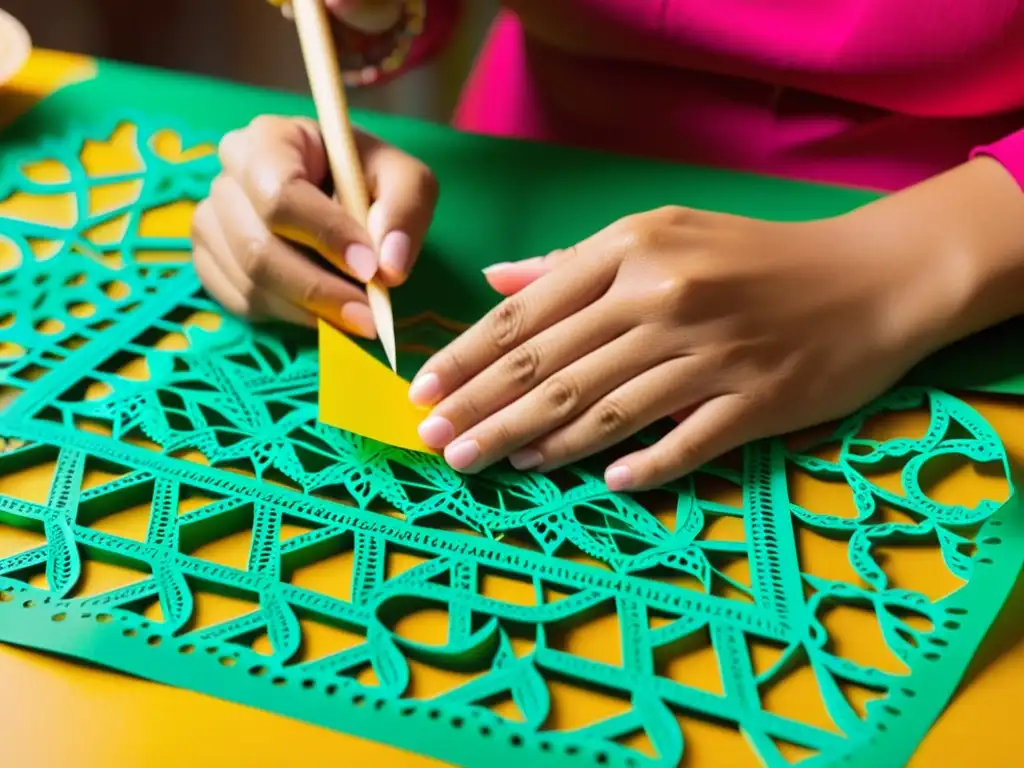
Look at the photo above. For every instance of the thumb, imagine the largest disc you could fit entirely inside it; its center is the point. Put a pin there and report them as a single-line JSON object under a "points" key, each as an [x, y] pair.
{"points": [[509, 277]]}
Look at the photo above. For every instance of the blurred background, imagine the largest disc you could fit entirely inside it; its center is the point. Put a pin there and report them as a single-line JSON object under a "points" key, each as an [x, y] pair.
{"points": [[242, 40]]}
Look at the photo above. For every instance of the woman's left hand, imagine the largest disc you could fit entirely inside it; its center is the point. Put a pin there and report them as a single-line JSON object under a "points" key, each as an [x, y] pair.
{"points": [[737, 328]]}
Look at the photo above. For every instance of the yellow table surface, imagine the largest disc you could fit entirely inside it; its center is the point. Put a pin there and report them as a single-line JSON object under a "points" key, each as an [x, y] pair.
{"points": [[58, 713]]}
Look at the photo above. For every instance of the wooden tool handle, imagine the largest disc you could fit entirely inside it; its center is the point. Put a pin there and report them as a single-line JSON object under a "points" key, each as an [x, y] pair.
{"points": [[324, 72]]}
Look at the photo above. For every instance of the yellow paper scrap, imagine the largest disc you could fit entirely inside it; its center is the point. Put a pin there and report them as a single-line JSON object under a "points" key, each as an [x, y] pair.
{"points": [[360, 394], [45, 73]]}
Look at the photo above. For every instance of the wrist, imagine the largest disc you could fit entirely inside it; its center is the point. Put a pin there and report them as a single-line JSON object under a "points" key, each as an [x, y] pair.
{"points": [[952, 251]]}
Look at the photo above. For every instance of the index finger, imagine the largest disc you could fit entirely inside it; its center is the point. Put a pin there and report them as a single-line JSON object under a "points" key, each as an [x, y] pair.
{"points": [[271, 152], [280, 164]]}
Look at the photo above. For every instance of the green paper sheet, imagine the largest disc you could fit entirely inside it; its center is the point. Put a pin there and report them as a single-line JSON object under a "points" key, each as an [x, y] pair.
{"points": [[244, 399]]}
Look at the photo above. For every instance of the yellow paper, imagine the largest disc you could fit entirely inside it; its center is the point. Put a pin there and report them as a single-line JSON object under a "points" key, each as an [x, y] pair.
{"points": [[360, 394], [45, 73]]}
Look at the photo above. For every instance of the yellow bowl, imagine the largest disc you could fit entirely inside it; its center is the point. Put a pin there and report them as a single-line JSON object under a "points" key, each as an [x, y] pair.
{"points": [[15, 46]]}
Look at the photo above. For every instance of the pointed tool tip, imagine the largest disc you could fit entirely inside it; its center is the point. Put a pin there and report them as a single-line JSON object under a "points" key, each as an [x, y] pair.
{"points": [[390, 353], [383, 320]]}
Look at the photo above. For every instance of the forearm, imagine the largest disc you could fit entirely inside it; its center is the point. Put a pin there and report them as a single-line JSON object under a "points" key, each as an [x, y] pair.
{"points": [[964, 229]]}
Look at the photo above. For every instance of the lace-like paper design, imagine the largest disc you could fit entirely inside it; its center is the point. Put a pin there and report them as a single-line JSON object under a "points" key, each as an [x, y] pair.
{"points": [[129, 390]]}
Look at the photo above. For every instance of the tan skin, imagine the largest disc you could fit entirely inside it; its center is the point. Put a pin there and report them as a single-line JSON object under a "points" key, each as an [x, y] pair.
{"points": [[736, 327], [268, 198]]}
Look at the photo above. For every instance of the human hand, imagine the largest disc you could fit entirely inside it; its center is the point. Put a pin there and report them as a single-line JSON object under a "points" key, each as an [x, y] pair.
{"points": [[370, 16], [268, 198], [738, 328]]}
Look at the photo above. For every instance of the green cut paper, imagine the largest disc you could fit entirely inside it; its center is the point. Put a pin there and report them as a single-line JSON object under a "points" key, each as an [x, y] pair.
{"points": [[245, 398]]}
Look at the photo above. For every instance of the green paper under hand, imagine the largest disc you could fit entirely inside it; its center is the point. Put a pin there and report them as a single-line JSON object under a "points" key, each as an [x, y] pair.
{"points": [[245, 398]]}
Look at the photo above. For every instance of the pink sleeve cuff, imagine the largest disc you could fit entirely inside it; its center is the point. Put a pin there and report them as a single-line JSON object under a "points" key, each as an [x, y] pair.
{"points": [[1010, 152]]}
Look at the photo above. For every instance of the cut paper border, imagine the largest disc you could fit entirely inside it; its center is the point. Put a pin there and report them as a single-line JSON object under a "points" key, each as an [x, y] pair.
{"points": [[244, 400]]}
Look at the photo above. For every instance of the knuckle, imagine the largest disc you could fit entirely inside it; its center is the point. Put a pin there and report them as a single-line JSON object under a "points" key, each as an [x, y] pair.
{"points": [[653, 236], [431, 186], [427, 185], [631, 222], [671, 292], [663, 465], [626, 230], [220, 191], [307, 125], [611, 418], [691, 293], [499, 434], [466, 410], [653, 230], [271, 198], [335, 233], [561, 255], [506, 324], [634, 236], [562, 395], [739, 355], [227, 143], [266, 123], [311, 293], [453, 361], [687, 454], [521, 365], [668, 215], [200, 221], [255, 257], [218, 188], [457, 364]]}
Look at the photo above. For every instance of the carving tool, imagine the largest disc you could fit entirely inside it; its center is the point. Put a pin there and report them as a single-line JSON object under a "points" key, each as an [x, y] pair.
{"points": [[324, 72]]}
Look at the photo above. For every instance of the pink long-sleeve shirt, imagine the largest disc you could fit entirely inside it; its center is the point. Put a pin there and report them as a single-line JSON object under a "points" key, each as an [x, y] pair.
{"points": [[875, 93]]}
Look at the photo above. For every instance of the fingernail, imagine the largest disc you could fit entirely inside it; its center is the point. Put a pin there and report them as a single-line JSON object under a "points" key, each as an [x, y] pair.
{"points": [[526, 459], [396, 252], [496, 267], [362, 261], [436, 432], [618, 478], [357, 318], [503, 265], [463, 454], [425, 389]]}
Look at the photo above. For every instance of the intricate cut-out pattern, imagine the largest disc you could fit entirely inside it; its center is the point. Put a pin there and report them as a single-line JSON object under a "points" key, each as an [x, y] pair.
{"points": [[256, 554]]}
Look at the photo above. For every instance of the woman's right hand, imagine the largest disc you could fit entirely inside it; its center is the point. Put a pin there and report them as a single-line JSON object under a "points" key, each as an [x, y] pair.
{"points": [[269, 197]]}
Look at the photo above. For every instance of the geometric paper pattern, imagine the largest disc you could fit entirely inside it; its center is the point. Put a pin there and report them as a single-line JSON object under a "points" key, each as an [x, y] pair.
{"points": [[171, 507]]}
